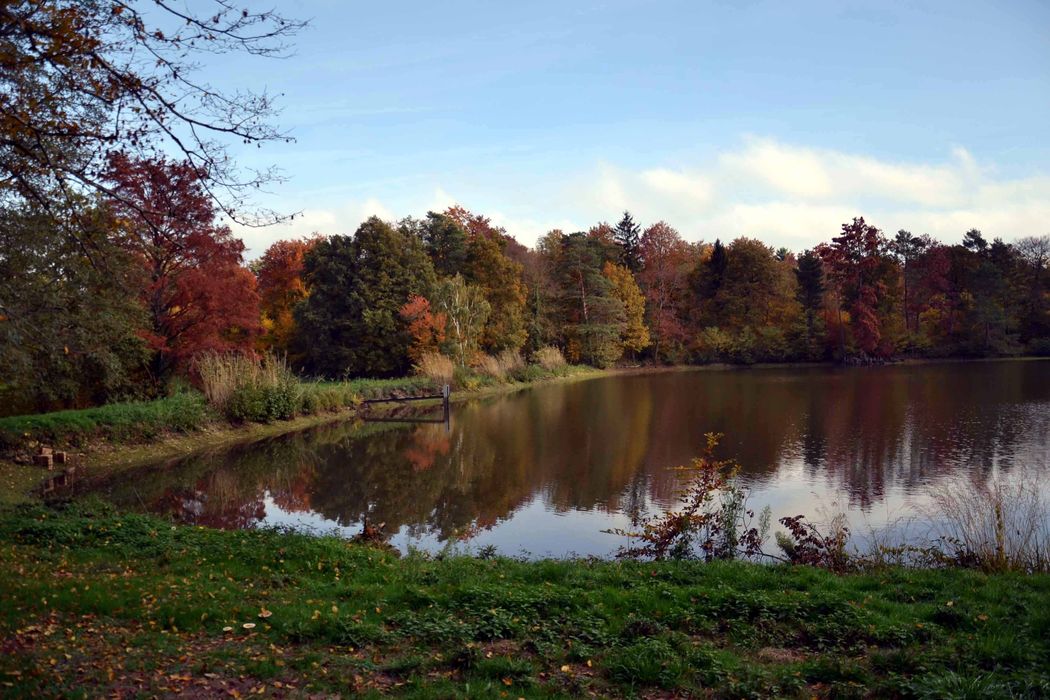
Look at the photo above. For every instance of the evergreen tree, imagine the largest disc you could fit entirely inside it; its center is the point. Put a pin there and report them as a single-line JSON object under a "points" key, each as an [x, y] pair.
{"points": [[627, 235]]}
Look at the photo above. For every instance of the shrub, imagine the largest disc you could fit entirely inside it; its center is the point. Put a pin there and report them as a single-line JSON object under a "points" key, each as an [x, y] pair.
{"points": [[549, 358], [435, 366]]}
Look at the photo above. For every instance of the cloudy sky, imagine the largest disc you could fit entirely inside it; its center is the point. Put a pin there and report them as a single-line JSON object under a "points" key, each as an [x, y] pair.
{"points": [[778, 120]]}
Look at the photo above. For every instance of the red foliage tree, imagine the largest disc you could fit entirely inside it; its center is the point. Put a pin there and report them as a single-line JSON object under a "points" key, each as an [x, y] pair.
{"points": [[198, 295], [667, 260], [856, 265]]}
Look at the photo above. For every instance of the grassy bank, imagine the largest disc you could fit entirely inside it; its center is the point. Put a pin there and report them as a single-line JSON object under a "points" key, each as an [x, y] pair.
{"points": [[115, 436], [97, 602]]}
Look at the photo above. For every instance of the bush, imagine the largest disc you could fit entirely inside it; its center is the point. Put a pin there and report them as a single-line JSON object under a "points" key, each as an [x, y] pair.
{"points": [[510, 361], [435, 366], [549, 358]]}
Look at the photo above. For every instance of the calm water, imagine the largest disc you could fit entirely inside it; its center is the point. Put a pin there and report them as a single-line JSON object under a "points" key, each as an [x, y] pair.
{"points": [[544, 471]]}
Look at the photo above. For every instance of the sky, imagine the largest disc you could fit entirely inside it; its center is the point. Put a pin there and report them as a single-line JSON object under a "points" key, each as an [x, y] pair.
{"points": [[775, 120]]}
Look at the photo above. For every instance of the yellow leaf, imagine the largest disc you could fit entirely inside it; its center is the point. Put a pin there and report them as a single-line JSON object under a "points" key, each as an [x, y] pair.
{"points": [[566, 668]]}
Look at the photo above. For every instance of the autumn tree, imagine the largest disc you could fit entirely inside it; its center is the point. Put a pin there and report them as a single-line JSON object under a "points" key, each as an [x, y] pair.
{"points": [[626, 235], [1034, 251], [487, 265], [350, 324], [80, 81], [280, 281], [635, 336], [861, 273], [667, 260], [198, 295], [425, 328]]}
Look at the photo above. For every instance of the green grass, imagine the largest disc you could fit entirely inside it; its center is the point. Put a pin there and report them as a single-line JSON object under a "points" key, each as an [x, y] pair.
{"points": [[97, 602], [119, 422]]}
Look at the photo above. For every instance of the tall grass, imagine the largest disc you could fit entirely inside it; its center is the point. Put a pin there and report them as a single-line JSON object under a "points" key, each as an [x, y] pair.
{"points": [[995, 524], [549, 358], [436, 366], [250, 387]]}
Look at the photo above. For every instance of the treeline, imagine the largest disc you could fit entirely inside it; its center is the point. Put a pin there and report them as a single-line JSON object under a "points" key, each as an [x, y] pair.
{"points": [[110, 297]]}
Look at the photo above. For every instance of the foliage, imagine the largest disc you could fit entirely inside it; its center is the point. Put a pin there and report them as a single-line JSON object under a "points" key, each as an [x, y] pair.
{"points": [[712, 523], [350, 324], [197, 295], [466, 312], [426, 329], [624, 289], [280, 281], [68, 327]]}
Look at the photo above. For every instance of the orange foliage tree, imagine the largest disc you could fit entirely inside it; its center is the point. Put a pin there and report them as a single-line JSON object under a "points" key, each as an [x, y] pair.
{"points": [[427, 329], [280, 278]]}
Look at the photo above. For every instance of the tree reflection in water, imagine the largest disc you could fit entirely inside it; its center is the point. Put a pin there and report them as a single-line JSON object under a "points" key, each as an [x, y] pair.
{"points": [[603, 448]]}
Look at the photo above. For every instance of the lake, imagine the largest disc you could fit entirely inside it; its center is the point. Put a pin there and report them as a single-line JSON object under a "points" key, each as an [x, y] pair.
{"points": [[543, 471]]}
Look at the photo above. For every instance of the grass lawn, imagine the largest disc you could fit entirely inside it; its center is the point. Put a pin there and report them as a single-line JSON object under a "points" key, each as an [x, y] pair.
{"points": [[97, 602]]}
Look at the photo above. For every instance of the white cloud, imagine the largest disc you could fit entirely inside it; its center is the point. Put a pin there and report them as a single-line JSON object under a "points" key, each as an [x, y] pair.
{"points": [[784, 194]]}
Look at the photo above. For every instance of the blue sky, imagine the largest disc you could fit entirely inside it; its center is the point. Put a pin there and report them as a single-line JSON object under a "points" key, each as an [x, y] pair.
{"points": [[770, 119]]}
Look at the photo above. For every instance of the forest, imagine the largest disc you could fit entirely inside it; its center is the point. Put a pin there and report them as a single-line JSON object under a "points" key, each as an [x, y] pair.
{"points": [[154, 280]]}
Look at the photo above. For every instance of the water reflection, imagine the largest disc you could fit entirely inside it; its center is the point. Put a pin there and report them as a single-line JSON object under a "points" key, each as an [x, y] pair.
{"points": [[549, 468]]}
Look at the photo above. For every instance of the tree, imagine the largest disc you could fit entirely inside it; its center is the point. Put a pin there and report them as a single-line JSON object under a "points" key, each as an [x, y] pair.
{"points": [[666, 262], [446, 243], [857, 266], [625, 289], [907, 249], [425, 328], [279, 274], [68, 328], [197, 294], [810, 276], [466, 310], [1035, 315], [350, 324], [81, 80], [593, 319], [626, 235], [500, 278]]}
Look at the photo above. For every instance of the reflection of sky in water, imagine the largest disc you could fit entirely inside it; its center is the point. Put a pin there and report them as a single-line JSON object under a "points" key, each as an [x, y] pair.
{"points": [[544, 472]]}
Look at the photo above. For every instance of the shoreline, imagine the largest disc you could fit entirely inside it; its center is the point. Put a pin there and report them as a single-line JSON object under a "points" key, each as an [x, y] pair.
{"points": [[20, 482]]}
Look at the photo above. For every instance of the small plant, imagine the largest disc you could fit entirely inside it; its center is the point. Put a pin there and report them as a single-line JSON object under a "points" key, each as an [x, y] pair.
{"points": [[549, 358], [713, 523], [805, 544], [436, 367]]}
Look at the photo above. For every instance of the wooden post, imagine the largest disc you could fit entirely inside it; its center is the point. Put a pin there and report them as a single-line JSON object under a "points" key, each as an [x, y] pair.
{"points": [[445, 392]]}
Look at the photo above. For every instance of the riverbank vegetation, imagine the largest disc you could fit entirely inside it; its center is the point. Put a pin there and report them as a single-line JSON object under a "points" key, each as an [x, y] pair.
{"points": [[99, 602]]}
